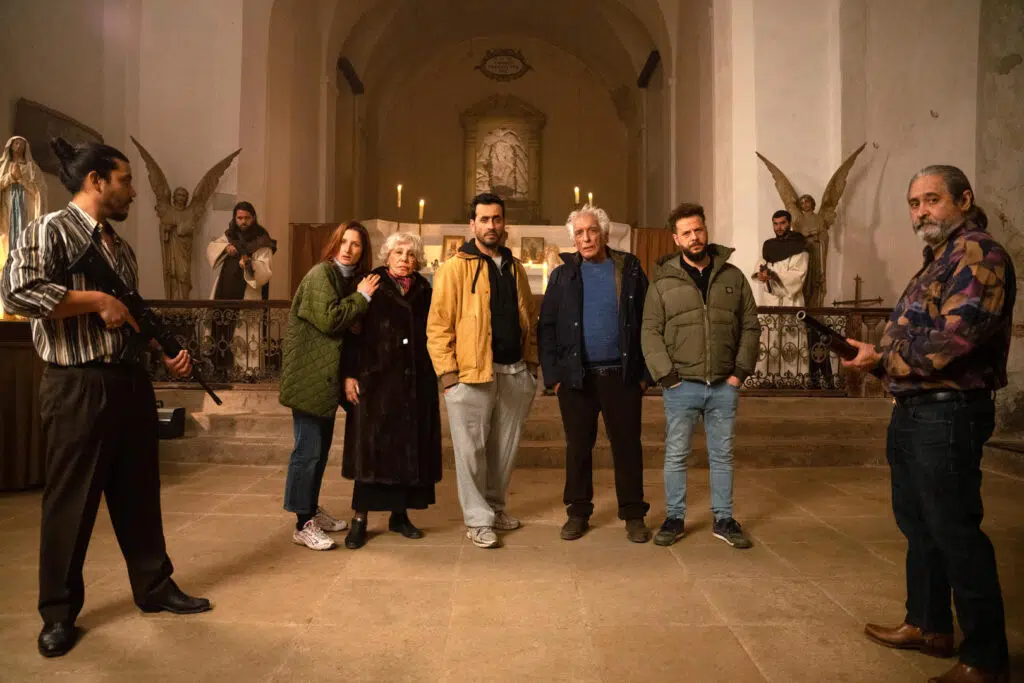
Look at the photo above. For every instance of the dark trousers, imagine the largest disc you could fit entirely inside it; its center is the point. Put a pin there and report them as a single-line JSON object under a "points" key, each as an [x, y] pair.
{"points": [[313, 436], [934, 451], [100, 427], [619, 403]]}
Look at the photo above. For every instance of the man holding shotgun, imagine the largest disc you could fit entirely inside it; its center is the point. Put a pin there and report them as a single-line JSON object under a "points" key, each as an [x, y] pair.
{"points": [[98, 408], [943, 355]]}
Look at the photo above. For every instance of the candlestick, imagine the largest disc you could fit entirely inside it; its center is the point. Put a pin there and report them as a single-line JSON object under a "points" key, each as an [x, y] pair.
{"points": [[421, 209], [590, 198], [399, 195], [576, 195]]}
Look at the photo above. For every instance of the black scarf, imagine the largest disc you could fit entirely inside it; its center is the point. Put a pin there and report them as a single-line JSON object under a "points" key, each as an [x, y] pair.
{"points": [[256, 237], [781, 248]]}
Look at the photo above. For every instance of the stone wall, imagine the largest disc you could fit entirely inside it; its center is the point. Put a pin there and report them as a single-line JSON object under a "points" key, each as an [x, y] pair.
{"points": [[1000, 179]]}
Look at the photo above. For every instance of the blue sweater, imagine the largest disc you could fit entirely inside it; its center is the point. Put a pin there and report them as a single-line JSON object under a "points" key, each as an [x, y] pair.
{"points": [[600, 313]]}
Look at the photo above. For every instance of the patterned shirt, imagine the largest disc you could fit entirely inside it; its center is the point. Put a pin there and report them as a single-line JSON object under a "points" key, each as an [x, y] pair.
{"points": [[952, 326], [36, 279]]}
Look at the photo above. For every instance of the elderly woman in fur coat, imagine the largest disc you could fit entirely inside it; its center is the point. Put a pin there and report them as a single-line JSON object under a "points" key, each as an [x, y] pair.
{"points": [[393, 428]]}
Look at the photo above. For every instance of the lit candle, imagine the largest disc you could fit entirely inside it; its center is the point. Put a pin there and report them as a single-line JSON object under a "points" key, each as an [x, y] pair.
{"points": [[576, 195], [399, 195], [421, 209], [590, 198]]}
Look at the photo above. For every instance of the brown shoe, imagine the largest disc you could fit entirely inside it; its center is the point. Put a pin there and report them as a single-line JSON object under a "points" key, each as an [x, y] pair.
{"points": [[637, 531], [907, 637], [961, 673]]}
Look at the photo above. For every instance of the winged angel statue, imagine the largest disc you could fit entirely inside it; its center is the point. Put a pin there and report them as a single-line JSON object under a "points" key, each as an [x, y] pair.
{"points": [[179, 219], [813, 226]]}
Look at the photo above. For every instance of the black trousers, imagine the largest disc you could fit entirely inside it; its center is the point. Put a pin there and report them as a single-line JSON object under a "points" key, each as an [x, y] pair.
{"points": [[934, 451], [100, 427], [619, 404]]}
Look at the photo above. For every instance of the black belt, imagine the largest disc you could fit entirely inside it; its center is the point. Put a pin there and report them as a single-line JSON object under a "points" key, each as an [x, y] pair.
{"points": [[602, 369], [97, 365], [941, 396]]}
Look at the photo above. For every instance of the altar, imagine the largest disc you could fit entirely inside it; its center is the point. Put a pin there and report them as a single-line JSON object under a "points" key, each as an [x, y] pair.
{"points": [[537, 246]]}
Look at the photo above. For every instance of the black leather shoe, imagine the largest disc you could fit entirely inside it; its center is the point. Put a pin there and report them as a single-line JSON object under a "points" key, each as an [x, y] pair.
{"points": [[57, 639], [402, 525], [173, 600], [356, 537]]}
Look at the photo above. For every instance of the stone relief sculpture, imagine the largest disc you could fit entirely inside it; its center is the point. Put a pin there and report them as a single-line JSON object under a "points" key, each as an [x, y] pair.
{"points": [[503, 165], [814, 226], [179, 219], [22, 194]]}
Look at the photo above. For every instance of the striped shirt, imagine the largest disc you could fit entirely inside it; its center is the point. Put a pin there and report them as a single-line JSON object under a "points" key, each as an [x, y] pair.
{"points": [[36, 279]]}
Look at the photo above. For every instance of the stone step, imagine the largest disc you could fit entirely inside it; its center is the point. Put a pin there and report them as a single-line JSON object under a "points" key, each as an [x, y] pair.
{"points": [[750, 451], [253, 428], [547, 425]]}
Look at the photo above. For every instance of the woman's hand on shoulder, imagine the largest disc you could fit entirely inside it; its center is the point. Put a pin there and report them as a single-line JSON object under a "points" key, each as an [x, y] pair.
{"points": [[352, 390], [369, 284]]}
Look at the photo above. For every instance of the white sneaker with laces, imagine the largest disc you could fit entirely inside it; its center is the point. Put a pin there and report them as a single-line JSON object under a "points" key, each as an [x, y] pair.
{"points": [[325, 521], [313, 537], [505, 522], [482, 536]]}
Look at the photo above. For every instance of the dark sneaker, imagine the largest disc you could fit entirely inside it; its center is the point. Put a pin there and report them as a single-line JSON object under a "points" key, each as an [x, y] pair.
{"points": [[574, 528], [637, 531], [729, 530], [670, 532]]}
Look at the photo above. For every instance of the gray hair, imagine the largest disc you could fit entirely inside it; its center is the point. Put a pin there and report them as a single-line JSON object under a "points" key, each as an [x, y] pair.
{"points": [[603, 221], [956, 184], [397, 238]]}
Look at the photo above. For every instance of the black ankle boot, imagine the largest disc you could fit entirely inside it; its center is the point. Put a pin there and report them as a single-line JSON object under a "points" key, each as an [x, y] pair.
{"points": [[400, 522], [356, 537]]}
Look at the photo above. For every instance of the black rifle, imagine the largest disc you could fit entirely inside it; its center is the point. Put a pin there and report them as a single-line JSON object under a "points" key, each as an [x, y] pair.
{"points": [[91, 263], [828, 336], [243, 252]]}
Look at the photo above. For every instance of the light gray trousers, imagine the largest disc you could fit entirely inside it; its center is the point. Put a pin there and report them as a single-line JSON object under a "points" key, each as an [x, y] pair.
{"points": [[486, 422]]}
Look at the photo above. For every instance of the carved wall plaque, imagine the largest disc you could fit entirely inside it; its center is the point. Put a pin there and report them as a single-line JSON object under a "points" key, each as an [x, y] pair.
{"points": [[503, 64]]}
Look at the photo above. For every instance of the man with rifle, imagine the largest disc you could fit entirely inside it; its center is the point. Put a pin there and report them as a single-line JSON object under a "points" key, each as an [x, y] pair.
{"points": [[242, 262], [98, 408]]}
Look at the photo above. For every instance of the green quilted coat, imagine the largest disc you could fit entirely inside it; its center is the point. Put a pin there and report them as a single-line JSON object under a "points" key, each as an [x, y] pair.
{"points": [[320, 315]]}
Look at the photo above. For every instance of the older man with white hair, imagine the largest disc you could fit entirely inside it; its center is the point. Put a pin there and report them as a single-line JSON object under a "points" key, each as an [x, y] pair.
{"points": [[589, 342]]}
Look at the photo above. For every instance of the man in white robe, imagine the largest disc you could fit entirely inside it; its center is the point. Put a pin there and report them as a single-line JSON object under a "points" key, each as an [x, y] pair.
{"points": [[780, 276], [242, 262]]}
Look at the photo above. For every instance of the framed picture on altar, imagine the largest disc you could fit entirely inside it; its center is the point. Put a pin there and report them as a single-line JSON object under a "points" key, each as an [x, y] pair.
{"points": [[450, 245], [531, 250]]}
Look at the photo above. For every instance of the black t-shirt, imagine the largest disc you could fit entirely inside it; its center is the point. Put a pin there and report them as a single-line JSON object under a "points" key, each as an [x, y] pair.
{"points": [[700, 277]]}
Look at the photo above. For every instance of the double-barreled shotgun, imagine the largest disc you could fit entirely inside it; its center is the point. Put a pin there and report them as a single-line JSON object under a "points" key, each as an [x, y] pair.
{"points": [[827, 336]]}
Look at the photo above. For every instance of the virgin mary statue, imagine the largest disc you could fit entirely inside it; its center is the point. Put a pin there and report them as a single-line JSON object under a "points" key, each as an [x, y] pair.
{"points": [[22, 194]]}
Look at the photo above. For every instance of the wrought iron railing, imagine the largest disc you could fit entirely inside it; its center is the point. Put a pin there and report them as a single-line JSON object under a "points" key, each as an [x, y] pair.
{"points": [[239, 343], [236, 342], [793, 359]]}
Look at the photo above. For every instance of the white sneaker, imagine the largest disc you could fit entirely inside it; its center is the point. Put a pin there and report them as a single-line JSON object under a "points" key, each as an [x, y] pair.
{"points": [[328, 523], [482, 536], [505, 522], [313, 537]]}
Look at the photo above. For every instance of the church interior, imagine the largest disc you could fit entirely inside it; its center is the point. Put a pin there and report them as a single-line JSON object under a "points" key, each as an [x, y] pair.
{"points": [[396, 113]]}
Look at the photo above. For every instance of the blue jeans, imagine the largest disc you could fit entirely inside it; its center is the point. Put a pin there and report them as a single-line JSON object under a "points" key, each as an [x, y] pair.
{"points": [[313, 437], [683, 404]]}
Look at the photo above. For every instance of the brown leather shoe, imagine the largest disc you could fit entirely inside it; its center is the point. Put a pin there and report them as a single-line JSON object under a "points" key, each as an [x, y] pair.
{"points": [[961, 673], [907, 637]]}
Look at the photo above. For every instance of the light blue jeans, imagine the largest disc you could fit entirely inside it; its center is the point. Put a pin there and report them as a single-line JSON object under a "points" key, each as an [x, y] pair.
{"points": [[717, 405]]}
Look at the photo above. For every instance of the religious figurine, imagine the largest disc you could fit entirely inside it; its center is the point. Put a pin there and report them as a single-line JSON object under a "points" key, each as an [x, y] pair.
{"points": [[179, 219], [22, 195], [814, 226]]}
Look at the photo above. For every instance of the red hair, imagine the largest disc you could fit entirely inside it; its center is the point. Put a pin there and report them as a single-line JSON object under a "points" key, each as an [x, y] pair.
{"points": [[334, 244]]}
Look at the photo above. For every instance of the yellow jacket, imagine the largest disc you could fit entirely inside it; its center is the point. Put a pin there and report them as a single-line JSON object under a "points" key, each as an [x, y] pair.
{"points": [[459, 324]]}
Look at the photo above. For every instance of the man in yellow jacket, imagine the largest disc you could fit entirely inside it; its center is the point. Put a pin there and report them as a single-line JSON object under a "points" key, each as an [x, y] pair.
{"points": [[482, 340]]}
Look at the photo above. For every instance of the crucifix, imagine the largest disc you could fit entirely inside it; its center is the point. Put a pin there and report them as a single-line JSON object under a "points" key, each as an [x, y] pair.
{"points": [[857, 302]]}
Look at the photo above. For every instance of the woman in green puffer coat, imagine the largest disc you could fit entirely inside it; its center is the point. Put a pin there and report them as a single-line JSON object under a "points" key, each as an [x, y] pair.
{"points": [[330, 300]]}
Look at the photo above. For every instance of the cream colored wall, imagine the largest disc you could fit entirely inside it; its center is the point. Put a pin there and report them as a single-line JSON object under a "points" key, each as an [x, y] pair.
{"points": [[190, 79], [914, 106], [419, 139], [86, 71]]}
